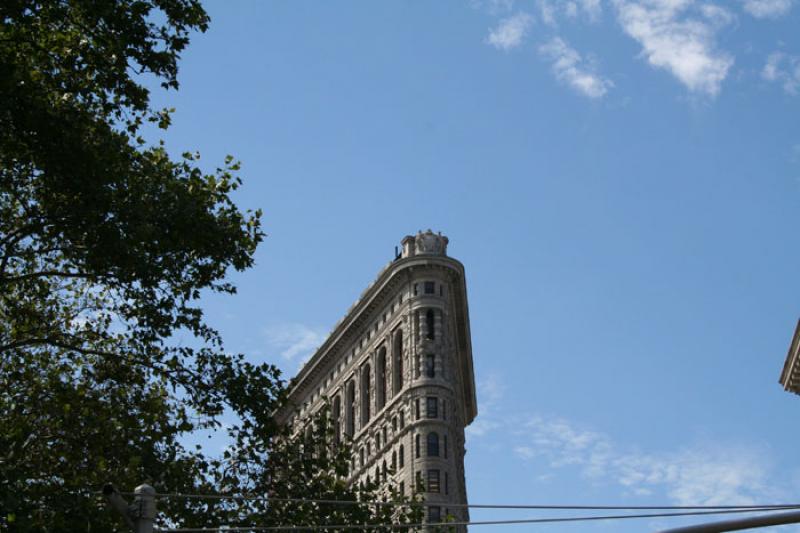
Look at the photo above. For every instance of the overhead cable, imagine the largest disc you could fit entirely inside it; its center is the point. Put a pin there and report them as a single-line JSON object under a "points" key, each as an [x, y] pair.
{"points": [[248, 497], [360, 527]]}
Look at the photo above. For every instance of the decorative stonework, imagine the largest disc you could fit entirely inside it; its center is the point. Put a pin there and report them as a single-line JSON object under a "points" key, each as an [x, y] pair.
{"points": [[397, 373], [430, 243], [424, 243]]}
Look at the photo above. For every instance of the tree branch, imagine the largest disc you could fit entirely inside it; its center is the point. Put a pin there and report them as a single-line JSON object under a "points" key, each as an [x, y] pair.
{"points": [[49, 274]]}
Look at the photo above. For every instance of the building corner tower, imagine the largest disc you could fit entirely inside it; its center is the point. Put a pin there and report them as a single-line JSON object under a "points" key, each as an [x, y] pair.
{"points": [[397, 374]]}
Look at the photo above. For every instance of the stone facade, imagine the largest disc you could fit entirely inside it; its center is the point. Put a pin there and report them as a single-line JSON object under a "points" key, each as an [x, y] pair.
{"points": [[397, 373]]}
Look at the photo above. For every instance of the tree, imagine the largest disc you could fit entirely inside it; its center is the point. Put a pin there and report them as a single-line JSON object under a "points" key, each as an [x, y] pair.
{"points": [[106, 245]]}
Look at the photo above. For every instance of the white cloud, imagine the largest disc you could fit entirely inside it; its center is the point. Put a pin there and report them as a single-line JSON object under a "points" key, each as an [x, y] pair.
{"points": [[493, 6], [547, 12], [490, 393], [716, 15], [510, 32], [784, 69], [570, 68], [591, 8], [771, 70], [296, 342], [679, 42], [551, 10], [767, 8], [698, 475]]}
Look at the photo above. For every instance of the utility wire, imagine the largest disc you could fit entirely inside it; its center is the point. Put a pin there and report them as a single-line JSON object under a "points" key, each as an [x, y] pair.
{"points": [[249, 497], [223, 529]]}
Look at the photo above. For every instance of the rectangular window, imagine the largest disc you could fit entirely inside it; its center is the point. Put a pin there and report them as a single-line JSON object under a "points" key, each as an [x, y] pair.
{"points": [[430, 365], [402, 488], [446, 483], [445, 446], [433, 481], [415, 289], [417, 407], [432, 407], [444, 408], [430, 287], [434, 515]]}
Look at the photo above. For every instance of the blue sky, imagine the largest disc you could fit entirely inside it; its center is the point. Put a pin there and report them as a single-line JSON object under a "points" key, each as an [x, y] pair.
{"points": [[620, 178]]}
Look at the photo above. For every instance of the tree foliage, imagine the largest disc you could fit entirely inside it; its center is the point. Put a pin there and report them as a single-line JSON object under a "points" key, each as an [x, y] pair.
{"points": [[106, 244]]}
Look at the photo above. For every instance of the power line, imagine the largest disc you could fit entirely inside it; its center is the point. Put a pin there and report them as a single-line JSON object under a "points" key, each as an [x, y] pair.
{"points": [[249, 497], [451, 524]]}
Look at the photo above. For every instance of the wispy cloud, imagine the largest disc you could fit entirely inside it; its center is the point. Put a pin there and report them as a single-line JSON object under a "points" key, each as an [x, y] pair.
{"points": [[784, 69], [679, 36], [510, 32], [551, 10], [493, 6], [767, 8], [569, 67], [695, 475], [591, 8], [296, 342], [547, 12], [490, 393]]}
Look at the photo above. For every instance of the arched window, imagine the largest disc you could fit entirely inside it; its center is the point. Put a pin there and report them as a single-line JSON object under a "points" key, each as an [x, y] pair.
{"points": [[381, 379], [365, 395], [430, 324], [433, 444], [397, 368], [416, 449], [402, 455], [350, 409]]}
